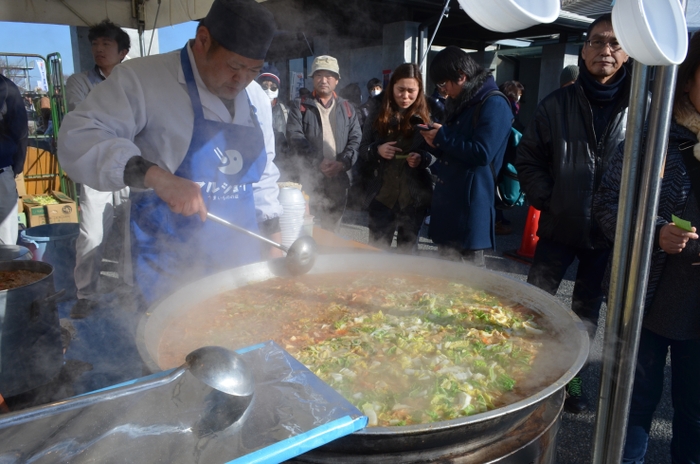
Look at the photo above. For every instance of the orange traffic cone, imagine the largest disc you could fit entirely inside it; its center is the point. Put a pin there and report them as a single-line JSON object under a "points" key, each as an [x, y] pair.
{"points": [[3, 406], [529, 242]]}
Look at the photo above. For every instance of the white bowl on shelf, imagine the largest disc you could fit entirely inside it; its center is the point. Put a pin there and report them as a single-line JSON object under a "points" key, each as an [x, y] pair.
{"points": [[653, 32], [511, 15]]}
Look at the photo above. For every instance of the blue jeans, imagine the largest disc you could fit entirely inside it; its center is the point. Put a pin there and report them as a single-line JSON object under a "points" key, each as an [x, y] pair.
{"points": [[549, 265], [685, 394]]}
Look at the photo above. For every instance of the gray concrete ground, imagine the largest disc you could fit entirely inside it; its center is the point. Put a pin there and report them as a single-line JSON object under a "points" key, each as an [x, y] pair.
{"points": [[575, 439]]}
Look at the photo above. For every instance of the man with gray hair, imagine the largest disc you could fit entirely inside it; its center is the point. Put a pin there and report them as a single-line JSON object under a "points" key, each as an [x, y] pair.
{"points": [[324, 136], [560, 161], [190, 133]]}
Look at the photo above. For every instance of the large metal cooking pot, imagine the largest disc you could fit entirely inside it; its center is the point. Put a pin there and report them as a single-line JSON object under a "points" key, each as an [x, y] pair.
{"points": [[31, 353], [470, 432]]}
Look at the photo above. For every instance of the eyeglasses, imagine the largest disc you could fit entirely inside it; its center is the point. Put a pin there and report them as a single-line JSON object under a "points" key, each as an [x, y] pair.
{"points": [[442, 85], [601, 44], [269, 85]]}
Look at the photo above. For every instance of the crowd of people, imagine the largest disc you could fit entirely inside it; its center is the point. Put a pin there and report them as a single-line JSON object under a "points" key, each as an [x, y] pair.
{"points": [[204, 130], [382, 155]]}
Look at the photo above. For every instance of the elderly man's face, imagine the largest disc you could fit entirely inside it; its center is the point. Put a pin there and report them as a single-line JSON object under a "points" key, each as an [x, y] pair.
{"points": [[603, 54], [325, 83], [225, 73]]}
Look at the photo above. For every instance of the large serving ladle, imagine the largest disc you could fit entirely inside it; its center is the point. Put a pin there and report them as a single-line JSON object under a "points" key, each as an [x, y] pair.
{"points": [[217, 367], [221, 369], [301, 255]]}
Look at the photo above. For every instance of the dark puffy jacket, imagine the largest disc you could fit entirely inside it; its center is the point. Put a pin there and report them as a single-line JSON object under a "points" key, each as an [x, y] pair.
{"points": [[305, 136], [560, 165], [419, 181], [462, 211], [14, 131], [677, 315]]}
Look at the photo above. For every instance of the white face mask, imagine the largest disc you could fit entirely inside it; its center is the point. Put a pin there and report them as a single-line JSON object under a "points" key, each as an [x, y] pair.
{"points": [[375, 92], [272, 94]]}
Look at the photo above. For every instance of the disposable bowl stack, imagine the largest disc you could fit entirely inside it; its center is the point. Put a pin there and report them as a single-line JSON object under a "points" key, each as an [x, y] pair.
{"points": [[292, 219]]}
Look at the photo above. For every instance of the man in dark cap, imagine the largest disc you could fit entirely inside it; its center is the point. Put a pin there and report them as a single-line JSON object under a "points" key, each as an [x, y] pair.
{"points": [[270, 82], [190, 133], [374, 99], [568, 75]]}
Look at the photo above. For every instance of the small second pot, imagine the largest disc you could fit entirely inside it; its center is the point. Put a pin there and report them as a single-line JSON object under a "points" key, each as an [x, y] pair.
{"points": [[31, 353]]}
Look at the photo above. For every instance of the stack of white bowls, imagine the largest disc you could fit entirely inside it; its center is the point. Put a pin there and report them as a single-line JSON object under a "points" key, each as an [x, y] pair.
{"points": [[292, 219]]}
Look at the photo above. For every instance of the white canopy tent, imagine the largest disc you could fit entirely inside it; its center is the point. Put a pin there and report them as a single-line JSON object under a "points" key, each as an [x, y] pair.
{"points": [[136, 14]]}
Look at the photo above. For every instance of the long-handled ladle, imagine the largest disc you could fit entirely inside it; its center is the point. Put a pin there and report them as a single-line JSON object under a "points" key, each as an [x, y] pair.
{"points": [[217, 367], [301, 255]]}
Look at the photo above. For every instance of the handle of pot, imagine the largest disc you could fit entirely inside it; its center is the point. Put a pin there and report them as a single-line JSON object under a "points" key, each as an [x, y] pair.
{"points": [[42, 305], [30, 244]]}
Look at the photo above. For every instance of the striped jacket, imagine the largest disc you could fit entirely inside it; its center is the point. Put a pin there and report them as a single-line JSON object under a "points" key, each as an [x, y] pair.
{"points": [[675, 193]]}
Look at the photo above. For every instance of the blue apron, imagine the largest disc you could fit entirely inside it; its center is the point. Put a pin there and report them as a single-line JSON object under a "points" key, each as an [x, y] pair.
{"points": [[225, 160]]}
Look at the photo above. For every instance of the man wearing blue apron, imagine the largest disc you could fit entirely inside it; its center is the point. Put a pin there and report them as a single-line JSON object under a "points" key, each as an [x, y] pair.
{"points": [[193, 135]]}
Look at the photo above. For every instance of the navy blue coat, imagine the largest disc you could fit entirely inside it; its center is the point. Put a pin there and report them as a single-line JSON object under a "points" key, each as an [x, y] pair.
{"points": [[14, 131], [462, 211]]}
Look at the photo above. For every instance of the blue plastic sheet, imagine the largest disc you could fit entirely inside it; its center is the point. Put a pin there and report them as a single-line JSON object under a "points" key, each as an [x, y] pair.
{"points": [[184, 421]]}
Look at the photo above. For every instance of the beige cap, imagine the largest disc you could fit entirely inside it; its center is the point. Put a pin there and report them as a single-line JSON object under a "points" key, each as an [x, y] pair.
{"points": [[325, 63]]}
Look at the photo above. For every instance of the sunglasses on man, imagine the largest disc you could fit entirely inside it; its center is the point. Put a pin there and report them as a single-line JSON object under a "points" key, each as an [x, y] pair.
{"points": [[269, 85]]}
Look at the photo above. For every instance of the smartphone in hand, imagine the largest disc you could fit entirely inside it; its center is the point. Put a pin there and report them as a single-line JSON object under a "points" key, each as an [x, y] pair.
{"points": [[418, 123]]}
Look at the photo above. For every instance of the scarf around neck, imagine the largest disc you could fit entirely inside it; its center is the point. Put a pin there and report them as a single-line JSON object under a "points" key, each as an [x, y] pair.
{"points": [[686, 115], [472, 92], [602, 94]]}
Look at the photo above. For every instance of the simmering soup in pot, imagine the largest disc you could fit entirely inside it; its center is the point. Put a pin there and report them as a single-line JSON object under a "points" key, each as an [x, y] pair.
{"points": [[18, 278], [405, 349]]}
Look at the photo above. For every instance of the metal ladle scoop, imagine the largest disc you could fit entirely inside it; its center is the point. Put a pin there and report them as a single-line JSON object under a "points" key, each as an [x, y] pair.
{"points": [[301, 255], [221, 369]]}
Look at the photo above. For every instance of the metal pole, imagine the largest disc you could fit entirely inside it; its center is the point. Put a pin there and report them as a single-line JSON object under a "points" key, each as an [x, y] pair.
{"points": [[443, 15], [655, 155], [620, 266]]}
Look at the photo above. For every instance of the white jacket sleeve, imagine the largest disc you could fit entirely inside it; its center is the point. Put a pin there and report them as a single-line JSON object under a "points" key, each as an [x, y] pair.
{"points": [[266, 191], [77, 88], [96, 141]]}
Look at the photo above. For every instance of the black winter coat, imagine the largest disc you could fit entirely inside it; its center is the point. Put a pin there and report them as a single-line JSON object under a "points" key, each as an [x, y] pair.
{"points": [[420, 182], [560, 164], [14, 131]]}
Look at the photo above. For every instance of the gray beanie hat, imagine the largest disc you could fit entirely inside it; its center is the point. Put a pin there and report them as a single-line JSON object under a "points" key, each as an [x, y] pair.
{"points": [[568, 74], [244, 27]]}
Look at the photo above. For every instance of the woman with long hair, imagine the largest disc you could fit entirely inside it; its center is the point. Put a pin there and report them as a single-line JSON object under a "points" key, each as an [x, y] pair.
{"points": [[398, 186]]}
